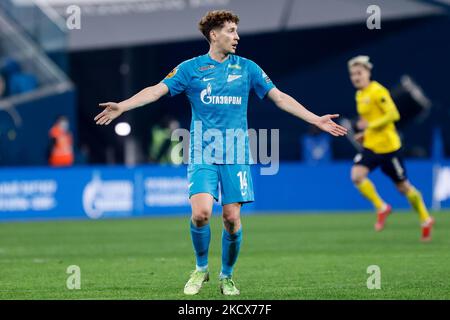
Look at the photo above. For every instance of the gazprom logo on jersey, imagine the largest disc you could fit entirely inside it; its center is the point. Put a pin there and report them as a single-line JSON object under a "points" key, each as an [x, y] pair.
{"points": [[207, 97], [108, 197]]}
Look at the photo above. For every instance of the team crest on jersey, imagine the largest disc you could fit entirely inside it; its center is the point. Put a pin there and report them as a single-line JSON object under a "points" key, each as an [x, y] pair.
{"points": [[172, 73], [208, 67], [233, 77]]}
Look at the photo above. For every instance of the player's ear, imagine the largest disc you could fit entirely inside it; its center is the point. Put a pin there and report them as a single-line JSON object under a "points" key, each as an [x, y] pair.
{"points": [[212, 35]]}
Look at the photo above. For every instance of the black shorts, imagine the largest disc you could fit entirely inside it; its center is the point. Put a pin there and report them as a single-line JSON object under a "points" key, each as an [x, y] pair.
{"points": [[391, 163]]}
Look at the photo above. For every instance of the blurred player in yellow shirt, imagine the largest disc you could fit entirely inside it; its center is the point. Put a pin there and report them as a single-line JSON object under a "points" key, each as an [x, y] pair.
{"points": [[381, 144]]}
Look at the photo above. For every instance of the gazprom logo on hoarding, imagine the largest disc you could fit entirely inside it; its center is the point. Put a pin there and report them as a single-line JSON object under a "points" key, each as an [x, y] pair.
{"points": [[107, 196]]}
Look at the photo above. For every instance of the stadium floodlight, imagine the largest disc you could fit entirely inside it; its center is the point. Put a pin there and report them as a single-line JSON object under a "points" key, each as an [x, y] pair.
{"points": [[122, 129]]}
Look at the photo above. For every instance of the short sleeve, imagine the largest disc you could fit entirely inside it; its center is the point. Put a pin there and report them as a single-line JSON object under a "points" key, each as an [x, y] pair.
{"points": [[259, 80], [384, 100], [178, 79]]}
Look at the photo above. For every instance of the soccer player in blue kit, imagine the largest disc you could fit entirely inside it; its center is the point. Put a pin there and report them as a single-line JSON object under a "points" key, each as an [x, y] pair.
{"points": [[217, 85]]}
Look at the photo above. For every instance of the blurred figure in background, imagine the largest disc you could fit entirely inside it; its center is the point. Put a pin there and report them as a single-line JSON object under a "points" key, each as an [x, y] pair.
{"points": [[82, 154], [17, 81], [381, 142], [61, 147], [161, 145], [316, 146], [2, 86]]}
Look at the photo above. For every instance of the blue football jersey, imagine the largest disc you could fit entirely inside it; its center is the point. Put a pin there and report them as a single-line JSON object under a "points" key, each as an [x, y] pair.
{"points": [[218, 93]]}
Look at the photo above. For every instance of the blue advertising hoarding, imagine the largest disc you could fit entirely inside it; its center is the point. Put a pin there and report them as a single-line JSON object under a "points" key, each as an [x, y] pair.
{"points": [[153, 190]]}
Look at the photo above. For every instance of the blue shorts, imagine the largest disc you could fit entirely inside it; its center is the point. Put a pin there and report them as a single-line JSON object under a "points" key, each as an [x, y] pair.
{"points": [[235, 181]]}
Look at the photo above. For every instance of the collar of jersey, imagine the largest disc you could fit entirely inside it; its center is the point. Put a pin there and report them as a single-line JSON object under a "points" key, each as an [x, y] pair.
{"points": [[217, 63]]}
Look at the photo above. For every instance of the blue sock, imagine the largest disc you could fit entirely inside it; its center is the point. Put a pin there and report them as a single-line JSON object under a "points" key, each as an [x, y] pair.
{"points": [[231, 243], [201, 237]]}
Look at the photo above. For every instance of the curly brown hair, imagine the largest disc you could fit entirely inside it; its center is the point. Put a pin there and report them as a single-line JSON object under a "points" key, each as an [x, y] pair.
{"points": [[216, 19]]}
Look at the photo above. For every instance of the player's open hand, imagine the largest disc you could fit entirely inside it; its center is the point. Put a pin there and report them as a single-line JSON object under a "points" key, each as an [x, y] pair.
{"points": [[326, 124], [111, 112]]}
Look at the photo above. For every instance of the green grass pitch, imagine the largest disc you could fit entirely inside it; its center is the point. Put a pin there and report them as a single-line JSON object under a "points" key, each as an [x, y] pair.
{"points": [[283, 256]]}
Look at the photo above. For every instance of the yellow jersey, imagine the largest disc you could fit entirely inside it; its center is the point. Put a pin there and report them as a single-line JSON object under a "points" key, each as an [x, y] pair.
{"points": [[375, 105]]}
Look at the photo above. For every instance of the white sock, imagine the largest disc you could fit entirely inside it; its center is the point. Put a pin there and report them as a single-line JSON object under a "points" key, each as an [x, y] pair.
{"points": [[201, 269], [222, 276]]}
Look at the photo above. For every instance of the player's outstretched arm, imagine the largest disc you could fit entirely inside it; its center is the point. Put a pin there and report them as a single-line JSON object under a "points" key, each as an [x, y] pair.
{"points": [[112, 110], [289, 104]]}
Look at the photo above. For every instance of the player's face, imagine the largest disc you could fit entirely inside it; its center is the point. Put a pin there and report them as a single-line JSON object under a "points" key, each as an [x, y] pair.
{"points": [[227, 38], [360, 76], [64, 124]]}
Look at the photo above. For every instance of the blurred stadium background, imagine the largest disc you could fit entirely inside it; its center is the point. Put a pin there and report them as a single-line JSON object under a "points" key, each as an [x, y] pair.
{"points": [[48, 69]]}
